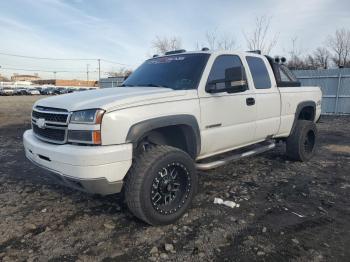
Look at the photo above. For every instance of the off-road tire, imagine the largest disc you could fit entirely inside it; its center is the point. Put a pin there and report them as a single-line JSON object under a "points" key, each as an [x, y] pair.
{"points": [[301, 144], [141, 181]]}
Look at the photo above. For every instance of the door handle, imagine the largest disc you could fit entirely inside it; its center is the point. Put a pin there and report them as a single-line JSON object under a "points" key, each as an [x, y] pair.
{"points": [[250, 101]]}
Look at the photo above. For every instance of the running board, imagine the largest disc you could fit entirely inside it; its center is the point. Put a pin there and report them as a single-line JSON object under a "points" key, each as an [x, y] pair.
{"points": [[237, 156]]}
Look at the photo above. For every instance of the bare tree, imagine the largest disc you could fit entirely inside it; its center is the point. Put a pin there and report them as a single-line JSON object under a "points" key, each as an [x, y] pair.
{"points": [[259, 38], [321, 56], [216, 41], [122, 72], [340, 45], [165, 44]]}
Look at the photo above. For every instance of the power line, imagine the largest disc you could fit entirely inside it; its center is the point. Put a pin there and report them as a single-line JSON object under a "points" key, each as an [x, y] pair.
{"points": [[46, 68], [40, 70], [48, 58], [49, 71], [62, 59], [113, 62]]}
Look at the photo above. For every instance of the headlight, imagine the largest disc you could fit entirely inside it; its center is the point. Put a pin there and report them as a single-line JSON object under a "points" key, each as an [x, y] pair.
{"points": [[91, 116], [89, 134]]}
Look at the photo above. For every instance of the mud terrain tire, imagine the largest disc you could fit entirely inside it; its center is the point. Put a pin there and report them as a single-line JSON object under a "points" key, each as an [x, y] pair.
{"points": [[160, 185], [302, 142]]}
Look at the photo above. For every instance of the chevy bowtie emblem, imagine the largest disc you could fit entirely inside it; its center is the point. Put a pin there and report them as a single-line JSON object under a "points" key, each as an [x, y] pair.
{"points": [[41, 123]]}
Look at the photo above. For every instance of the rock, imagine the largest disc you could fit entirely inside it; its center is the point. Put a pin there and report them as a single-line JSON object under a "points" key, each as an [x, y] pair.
{"points": [[164, 256], [242, 222], [185, 228], [198, 242], [232, 219], [322, 209], [44, 210], [117, 254], [30, 226], [109, 226], [260, 253], [250, 237], [169, 247], [201, 254], [264, 229], [152, 258], [154, 250], [296, 241]]}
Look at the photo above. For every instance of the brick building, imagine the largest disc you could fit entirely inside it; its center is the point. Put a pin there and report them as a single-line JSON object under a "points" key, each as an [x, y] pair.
{"points": [[62, 82], [18, 77]]}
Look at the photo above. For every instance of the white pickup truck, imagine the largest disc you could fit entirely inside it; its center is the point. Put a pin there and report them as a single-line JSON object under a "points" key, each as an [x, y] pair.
{"points": [[176, 113]]}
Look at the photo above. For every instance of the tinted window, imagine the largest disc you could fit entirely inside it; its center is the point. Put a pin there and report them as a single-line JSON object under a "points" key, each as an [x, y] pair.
{"points": [[284, 77], [287, 73], [220, 67], [177, 72], [259, 72]]}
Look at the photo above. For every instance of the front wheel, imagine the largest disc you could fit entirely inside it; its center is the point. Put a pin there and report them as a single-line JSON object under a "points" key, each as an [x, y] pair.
{"points": [[302, 141], [160, 185]]}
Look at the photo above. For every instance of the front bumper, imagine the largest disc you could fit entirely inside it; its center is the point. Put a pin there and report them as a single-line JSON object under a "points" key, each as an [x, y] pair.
{"points": [[93, 169]]}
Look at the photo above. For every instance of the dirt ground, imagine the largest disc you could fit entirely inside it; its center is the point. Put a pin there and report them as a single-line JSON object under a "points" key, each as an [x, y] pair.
{"points": [[289, 211]]}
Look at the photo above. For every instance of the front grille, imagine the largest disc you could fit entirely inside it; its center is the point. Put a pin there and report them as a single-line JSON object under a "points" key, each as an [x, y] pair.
{"points": [[50, 134], [51, 117], [55, 127]]}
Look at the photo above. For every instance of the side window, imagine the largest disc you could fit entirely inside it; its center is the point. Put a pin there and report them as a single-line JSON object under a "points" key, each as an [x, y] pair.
{"points": [[259, 72], [283, 75], [222, 65], [287, 73]]}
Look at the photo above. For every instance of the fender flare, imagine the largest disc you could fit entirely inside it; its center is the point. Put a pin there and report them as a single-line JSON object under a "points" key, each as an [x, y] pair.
{"points": [[300, 107], [138, 130]]}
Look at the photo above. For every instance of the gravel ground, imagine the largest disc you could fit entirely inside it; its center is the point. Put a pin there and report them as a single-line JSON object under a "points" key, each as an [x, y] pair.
{"points": [[289, 211]]}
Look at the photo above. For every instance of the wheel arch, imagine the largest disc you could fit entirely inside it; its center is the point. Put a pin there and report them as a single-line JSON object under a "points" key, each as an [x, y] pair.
{"points": [[186, 124], [305, 111]]}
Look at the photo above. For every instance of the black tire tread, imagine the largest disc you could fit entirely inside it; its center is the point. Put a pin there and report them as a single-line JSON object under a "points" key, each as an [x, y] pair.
{"points": [[134, 179], [293, 148]]}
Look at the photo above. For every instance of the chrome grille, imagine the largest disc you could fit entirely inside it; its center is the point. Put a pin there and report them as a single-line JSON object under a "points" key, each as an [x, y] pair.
{"points": [[51, 117], [55, 125]]}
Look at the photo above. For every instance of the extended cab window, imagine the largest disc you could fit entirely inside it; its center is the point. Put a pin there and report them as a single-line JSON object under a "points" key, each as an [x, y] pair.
{"points": [[178, 72], [259, 72], [221, 66]]}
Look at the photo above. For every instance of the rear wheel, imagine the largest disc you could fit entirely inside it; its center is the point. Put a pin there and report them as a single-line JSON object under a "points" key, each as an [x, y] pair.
{"points": [[161, 185], [301, 143]]}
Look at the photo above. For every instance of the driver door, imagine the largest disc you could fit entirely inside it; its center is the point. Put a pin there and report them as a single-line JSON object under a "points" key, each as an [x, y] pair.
{"points": [[227, 119]]}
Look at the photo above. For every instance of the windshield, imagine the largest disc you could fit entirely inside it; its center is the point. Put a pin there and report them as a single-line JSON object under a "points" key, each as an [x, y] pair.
{"points": [[179, 72]]}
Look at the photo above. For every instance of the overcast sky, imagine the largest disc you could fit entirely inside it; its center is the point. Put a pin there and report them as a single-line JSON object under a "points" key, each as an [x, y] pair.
{"points": [[123, 31]]}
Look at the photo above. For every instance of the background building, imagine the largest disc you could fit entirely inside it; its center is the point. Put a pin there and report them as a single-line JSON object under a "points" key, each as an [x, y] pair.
{"points": [[18, 77], [111, 81], [3, 78], [62, 82]]}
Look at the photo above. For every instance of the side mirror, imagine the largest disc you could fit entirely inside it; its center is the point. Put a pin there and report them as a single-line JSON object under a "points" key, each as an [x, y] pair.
{"points": [[237, 86], [234, 82]]}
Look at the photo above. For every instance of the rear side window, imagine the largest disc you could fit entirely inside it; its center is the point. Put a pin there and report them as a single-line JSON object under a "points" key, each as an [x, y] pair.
{"points": [[259, 72]]}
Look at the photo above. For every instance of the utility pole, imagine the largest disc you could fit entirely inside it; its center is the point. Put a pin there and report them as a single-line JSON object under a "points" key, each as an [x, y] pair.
{"points": [[87, 72], [99, 72]]}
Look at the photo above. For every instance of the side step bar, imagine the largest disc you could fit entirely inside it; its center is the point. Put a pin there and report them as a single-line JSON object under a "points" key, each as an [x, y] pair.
{"points": [[237, 156]]}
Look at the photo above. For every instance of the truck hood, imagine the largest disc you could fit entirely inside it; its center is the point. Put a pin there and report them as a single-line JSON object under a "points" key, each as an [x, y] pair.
{"points": [[111, 99]]}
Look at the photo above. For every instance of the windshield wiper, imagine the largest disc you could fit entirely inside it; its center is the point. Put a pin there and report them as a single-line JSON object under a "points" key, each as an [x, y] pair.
{"points": [[123, 85]]}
